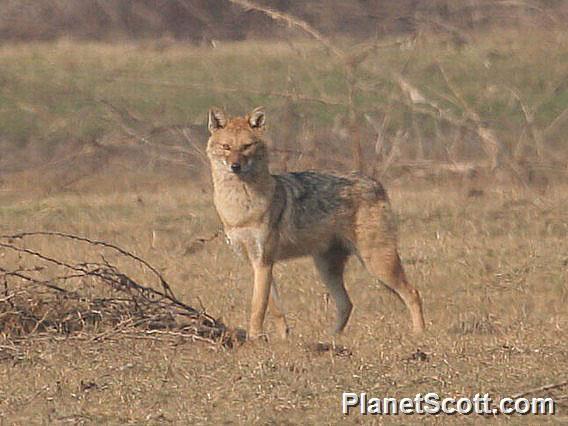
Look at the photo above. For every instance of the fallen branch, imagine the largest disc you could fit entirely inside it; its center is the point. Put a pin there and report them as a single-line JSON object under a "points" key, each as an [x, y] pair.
{"points": [[540, 389], [53, 294]]}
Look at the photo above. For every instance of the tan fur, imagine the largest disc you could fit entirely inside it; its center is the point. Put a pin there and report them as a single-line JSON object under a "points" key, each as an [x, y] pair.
{"points": [[275, 217]]}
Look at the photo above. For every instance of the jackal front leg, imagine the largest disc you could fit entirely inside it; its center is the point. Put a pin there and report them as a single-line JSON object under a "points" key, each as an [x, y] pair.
{"points": [[260, 297]]}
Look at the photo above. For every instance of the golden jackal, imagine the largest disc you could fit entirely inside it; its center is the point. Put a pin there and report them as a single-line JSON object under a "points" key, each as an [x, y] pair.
{"points": [[276, 217]]}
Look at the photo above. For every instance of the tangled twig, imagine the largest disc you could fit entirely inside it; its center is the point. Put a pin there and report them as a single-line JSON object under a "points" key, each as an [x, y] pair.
{"points": [[50, 293]]}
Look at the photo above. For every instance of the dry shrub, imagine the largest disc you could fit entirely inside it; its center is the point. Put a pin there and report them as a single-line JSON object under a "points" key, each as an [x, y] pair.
{"points": [[46, 292]]}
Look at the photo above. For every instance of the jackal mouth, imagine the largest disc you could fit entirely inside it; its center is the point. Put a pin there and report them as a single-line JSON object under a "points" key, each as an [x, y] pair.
{"points": [[239, 169]]}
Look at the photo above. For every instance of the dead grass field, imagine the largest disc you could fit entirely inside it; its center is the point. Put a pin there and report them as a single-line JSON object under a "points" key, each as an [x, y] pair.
{"points": [[492, 269], [106, 141]]}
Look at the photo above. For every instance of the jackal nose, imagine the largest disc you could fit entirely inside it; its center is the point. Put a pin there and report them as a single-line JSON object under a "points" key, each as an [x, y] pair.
{"points": [[236, 167]]}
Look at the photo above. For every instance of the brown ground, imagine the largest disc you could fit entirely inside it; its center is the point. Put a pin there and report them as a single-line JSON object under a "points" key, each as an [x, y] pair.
{"points": [[491, 267]]}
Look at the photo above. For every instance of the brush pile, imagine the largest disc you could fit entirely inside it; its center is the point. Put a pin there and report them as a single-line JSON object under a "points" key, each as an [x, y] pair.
{"points": [[44, 291]]}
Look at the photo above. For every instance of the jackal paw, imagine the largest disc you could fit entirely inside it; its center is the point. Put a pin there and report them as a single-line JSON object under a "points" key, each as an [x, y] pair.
{"points": [[257, 335], [282, 330]]}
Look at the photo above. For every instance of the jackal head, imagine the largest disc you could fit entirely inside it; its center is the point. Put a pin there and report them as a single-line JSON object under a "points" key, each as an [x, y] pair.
{"points": [[236, 144]]}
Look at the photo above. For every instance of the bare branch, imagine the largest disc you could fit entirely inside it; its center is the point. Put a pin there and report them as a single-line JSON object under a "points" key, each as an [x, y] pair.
{"points": [[291, 21], [34, 303], [529, 120]]}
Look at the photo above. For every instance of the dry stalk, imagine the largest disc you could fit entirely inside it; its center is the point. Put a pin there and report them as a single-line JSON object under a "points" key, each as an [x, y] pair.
{"points": [[529, 120], [540, 389], [293, 22], [350, 61], [491, 144]]}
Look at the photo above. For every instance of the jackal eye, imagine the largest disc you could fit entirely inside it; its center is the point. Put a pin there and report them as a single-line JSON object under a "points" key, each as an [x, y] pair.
{"points": [[246, 146], [226, 147]]}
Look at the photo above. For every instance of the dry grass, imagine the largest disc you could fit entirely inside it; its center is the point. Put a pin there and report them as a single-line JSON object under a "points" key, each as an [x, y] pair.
{"points": [[491, 268], [114, 130]]}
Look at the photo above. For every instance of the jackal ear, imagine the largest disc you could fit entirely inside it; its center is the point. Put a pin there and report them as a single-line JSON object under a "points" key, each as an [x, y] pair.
{"points": [[216, 119], [257, 118]]}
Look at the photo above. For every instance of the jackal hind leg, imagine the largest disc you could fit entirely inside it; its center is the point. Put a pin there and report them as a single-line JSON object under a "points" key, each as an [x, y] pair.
{"points": [[331, 266], [276, 310], [385, 264]]}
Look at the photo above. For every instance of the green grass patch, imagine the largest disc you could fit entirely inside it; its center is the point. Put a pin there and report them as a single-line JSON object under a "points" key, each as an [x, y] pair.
{"points": [[52, 91]]}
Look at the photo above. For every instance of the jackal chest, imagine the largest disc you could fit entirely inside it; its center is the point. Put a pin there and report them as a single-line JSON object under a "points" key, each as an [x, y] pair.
{"points": [[238, 209], [243, 216], [250, 240]]}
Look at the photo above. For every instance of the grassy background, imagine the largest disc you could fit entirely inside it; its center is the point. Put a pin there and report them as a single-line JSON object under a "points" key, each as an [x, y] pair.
{"points": [[59, 97], [106, 141]]}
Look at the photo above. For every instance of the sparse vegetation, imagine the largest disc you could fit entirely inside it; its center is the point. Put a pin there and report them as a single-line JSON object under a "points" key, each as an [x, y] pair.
{"points": [[464, 120], [492, 270]]}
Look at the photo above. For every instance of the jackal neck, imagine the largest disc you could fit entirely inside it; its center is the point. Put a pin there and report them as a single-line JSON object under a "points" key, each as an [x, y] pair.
{"points": [[260, 185], [239, 201]]}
